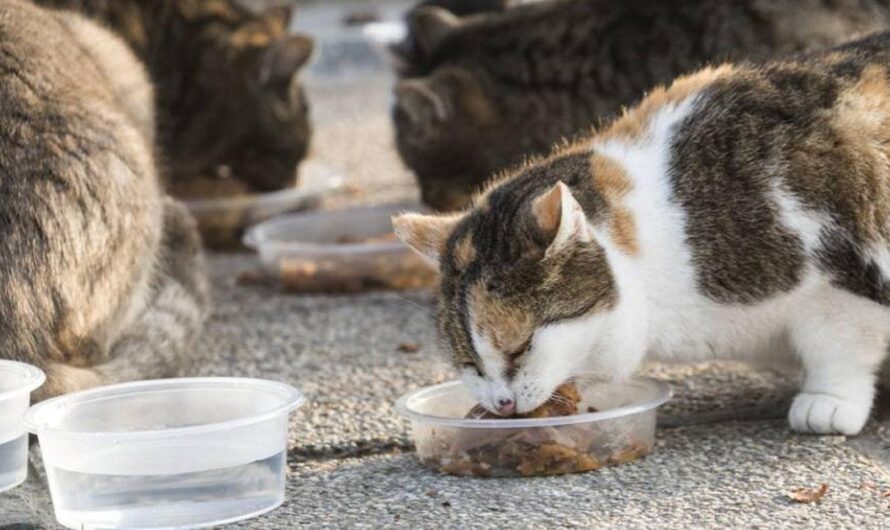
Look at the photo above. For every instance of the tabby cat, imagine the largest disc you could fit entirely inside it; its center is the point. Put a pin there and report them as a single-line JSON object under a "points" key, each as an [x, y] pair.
{"points": [[101, 276], [493, 88], [228, 99], [743, 212]]}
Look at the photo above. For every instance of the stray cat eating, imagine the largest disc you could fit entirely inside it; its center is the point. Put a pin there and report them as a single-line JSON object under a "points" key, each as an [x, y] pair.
{"points": [[742, 212]]}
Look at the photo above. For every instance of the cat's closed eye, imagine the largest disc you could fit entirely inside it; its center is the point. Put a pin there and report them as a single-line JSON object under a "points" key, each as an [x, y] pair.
{"points": [[471, 366], [520, 351]]}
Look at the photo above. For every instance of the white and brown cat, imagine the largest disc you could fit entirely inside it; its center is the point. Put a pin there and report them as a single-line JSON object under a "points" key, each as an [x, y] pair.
{"points": [[743, 212]]}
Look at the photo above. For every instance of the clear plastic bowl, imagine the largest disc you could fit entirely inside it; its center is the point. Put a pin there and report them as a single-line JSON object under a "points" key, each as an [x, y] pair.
{"points": [[622, 429], [172, 453], [17, 381], [222, 221], [338, 251]]}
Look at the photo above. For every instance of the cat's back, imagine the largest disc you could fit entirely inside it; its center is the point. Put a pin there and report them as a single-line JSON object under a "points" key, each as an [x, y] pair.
{"points": [[67, 81]]}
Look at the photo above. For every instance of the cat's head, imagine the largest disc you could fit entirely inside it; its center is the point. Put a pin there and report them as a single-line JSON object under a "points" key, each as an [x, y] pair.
{"points": [[526, 290], [234, 101], [413, 54], [441, 122], [461, 118]]}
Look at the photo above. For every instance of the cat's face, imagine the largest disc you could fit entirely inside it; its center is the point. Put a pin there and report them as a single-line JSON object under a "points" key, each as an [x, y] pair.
{"points": [[237, 106], [525, 288], [440, 123]]}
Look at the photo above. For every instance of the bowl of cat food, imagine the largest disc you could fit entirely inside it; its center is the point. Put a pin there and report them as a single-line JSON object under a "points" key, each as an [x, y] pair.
{"points": [[338, 251], [17, 381], [586, 425], [224, 208], [171, 453]]}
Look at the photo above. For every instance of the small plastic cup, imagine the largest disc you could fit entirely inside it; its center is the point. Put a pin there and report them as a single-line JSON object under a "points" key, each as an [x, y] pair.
{"points": [[17, 381], [172, 453], [621, 429]]}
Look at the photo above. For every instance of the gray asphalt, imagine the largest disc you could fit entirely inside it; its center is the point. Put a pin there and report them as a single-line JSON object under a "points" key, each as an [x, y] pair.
{"points": [[724, 456]]}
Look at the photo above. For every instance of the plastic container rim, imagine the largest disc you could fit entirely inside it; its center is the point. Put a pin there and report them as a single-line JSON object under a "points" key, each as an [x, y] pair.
{"points": [[663, 393], [256, 236], [33, 378], [32, 422]]}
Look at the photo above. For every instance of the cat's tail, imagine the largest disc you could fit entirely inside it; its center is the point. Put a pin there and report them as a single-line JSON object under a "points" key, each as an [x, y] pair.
{"points": [[157, 343]]}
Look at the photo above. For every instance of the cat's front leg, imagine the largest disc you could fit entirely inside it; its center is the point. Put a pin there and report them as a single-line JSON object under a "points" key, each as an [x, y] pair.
{"points": [[841, 340]]}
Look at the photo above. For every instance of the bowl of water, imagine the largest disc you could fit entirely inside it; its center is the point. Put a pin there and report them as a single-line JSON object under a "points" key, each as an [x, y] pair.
{"points": [[171, 453], [17, 381]]}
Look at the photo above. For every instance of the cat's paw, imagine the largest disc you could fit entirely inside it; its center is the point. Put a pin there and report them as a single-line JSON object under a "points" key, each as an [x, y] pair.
{"points": [[827, 414]]}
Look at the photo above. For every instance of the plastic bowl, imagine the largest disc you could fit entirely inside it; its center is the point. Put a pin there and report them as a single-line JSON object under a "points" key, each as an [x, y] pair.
{"points": [[17, 381], [338, 251], [172, 453], [222, 221], [622, 429]]}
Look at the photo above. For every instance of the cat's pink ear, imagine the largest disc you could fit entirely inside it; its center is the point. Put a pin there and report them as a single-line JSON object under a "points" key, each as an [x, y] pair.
{"points": [[425, 234], [559, 215], [431, 25]]}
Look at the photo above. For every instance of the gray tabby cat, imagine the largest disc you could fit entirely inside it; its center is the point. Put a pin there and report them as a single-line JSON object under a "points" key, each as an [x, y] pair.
{"points": [[101, 276]]}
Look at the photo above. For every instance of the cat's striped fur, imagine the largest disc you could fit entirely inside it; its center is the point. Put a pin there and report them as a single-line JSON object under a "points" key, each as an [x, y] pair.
{"points": [[743, 212], [101, 277]]}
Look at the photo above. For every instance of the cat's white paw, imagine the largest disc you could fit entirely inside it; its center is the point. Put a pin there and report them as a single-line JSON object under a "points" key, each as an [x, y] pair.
{"points": [[827, 414]]}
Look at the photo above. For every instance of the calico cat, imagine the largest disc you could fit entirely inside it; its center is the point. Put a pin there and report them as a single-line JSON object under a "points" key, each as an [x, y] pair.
{"points": [[228, 99], [489, 90], [101, 276], [743, 212]]}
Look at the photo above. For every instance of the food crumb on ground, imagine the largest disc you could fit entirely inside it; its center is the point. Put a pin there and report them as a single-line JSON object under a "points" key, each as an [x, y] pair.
{"points": [[409, 347], [808, 495]]}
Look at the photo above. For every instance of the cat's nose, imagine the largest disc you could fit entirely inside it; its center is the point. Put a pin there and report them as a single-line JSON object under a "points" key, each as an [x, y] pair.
{"points": [[506, 407]]}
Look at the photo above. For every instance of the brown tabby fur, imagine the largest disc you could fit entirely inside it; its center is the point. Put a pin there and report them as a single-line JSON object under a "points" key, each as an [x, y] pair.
{"points": [[229, 103], [101, 276], [492, 89]]}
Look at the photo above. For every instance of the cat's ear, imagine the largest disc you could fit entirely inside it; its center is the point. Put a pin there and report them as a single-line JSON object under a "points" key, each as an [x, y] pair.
{"points": [[560, 218], [420, 102], [430, 25], [282, 60], [279, 16], [425, 234]]}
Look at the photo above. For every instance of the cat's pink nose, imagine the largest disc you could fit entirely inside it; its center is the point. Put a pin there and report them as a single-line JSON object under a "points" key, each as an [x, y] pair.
{"points": [[506, 407]]}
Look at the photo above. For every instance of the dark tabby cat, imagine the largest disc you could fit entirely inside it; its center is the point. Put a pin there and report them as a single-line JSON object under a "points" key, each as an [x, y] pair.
{"points": [[743, 212], [229, 103], [101, 276], [410, 55], [491, 89]]}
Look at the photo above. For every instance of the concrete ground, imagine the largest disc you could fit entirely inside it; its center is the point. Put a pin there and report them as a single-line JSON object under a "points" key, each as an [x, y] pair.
{"points": [[724, 455]]}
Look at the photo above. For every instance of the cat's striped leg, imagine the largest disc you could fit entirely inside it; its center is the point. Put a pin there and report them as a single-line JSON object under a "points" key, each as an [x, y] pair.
{"points": [[841, 340]]}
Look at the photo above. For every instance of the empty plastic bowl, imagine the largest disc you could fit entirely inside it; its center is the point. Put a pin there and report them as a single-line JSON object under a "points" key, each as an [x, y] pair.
{"points": [[622, 429], [173, 453], [338, 251], [17, 381]]}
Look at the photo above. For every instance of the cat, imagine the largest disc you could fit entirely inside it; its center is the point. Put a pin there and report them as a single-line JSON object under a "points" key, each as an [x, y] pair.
{"points": [[742, 212], [229, 103], [410, 54], [101, 276], [491, 89]]}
